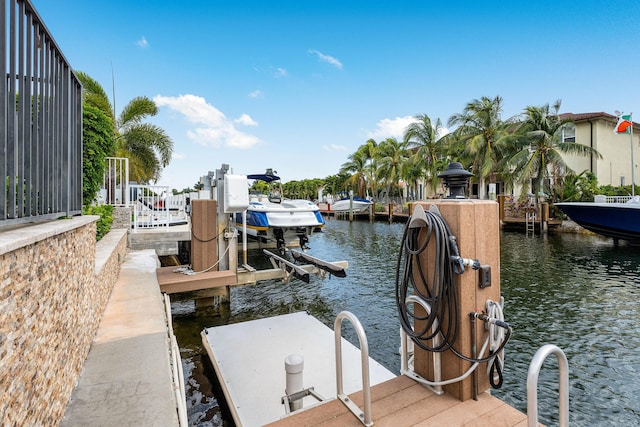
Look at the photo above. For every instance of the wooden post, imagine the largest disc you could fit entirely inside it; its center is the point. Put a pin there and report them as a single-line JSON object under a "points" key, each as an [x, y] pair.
{"points": [[204, 228], [501, 204], [204, 241], [476, 227], [390, 212]]}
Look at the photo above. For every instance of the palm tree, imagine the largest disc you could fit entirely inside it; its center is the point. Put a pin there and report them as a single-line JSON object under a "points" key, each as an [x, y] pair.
{"points": [[147, 146], [356, 167], [412, 171], [541, 147], [430, 146], [391, 156], [480, 131], [362, 165]]}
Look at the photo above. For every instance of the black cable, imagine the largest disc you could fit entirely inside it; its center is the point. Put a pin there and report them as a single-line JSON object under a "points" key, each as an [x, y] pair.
{"points": [[207, 240], [440, 293]]}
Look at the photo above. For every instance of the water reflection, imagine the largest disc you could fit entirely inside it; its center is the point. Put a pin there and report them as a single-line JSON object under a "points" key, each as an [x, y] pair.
{"points": [[581, 294], [578, 292]]}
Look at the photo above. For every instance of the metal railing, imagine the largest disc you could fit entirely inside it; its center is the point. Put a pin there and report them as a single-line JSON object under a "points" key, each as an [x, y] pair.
{"points": [[406, 352], [115, 184], [611, 199], [364, 417], [176, 367], [532, 384], [40, 121], [149, 207]]}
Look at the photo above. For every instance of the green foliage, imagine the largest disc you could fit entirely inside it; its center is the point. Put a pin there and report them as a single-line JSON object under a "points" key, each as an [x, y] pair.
{"points": [[259, 187], [306, 189], [609, 190], [147, 146], [106, 218], [335, 184], [577, 188], [98, 143]]}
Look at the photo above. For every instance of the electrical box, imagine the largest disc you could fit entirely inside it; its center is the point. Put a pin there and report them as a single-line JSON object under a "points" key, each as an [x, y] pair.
{"points": [[236, 193], [485, 276]]}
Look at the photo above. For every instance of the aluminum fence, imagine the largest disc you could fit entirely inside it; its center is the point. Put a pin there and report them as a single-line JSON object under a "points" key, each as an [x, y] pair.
{"points": [[40, 121]]}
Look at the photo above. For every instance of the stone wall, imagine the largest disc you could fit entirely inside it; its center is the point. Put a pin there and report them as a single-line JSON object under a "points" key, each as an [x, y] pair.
{"points": [[52, 295], [122, 217]]}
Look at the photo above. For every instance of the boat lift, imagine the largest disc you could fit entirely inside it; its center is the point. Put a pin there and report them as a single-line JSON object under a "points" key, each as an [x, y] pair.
{"points": [[214, 249]]}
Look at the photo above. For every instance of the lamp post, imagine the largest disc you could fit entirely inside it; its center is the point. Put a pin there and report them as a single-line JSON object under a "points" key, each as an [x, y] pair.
{"points": [[456, 179]]}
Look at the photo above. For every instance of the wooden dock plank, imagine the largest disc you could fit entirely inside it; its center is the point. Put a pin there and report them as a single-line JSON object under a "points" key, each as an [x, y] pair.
{"points": [[171, 282], [403, 402], [421, 405]]}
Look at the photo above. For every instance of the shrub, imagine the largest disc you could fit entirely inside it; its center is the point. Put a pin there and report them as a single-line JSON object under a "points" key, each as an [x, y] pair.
{"points": [[106, 219]]}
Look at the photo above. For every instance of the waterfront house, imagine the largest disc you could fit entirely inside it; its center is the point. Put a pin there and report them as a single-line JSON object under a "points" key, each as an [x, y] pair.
{"points": [[596, 130]]}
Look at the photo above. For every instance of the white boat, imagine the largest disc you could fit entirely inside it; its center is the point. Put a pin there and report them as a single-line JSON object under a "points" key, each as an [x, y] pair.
{"points": [[271, 218], [359, 205]]}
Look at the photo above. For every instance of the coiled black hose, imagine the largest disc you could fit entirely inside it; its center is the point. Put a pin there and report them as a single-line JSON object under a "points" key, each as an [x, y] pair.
{"points": [[439, 292]]}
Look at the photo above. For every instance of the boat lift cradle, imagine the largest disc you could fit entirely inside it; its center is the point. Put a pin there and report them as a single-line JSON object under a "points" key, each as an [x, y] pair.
{"points": [[313, 265]]}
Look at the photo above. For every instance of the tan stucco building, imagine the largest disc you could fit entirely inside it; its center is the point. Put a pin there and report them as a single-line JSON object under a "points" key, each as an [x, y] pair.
{"points": [[596, 130]]}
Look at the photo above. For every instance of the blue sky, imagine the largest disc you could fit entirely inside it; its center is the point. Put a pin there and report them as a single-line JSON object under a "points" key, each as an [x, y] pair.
{"points": [[297, 86]]}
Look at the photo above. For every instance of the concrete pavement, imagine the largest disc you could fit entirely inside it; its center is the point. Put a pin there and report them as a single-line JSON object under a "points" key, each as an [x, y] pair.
{"points": [[126, 379]]}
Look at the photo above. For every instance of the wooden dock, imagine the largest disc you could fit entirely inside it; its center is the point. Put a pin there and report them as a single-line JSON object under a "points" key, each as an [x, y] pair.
{"points": [[403, 402], [172, 282], [248, 358], [253, 382]]}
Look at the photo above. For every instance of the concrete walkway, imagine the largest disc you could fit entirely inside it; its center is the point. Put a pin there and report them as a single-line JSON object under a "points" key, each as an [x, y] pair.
{"points": [[126, 379]]}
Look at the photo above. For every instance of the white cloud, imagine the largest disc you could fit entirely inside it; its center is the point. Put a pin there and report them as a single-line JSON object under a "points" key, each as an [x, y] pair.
{"points": [[143, 43], [280, 72], [326, 58], [256, 94], [334, 147], [178, 156], [212, 126], [395, 128], [391, 128], [246, 120]]}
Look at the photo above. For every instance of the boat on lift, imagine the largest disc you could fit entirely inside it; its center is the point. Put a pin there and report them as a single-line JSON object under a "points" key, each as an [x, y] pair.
{"points": [[614, 216], [359, 205], [270, 217]]}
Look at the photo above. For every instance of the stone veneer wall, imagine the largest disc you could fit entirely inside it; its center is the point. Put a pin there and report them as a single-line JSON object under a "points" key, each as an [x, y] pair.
{"points": [[53, 291], [122, 217]]}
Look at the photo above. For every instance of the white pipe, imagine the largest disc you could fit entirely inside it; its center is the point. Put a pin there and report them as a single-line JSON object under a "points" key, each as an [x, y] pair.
{"points": [[294, 365], [244, 237]]}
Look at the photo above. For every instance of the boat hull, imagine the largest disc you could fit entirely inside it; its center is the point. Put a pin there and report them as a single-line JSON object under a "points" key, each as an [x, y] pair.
{"points": [[289, 220], [346, 206], [617, 220]]}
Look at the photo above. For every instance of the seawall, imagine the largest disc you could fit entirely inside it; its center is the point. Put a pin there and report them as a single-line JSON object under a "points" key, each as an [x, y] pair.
{"points": [[55, 281]]}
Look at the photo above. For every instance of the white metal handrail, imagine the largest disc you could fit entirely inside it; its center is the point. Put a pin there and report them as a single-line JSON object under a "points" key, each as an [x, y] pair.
{"points": [[364, 417], [176, 368], [532, 384], [405, 369]]}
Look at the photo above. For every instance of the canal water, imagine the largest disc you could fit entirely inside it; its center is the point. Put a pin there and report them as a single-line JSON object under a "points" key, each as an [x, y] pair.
{"points": [[579, 292]]}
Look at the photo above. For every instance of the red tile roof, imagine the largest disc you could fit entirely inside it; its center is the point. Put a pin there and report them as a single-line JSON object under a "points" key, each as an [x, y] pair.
{"points": [[583, 117]]}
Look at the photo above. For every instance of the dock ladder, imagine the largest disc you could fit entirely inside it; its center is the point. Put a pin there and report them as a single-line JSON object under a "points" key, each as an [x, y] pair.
{"points": [[530, 222], [364, 416], [532, 384]]}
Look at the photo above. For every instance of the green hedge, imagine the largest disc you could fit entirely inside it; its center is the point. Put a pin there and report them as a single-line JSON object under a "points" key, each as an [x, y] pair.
{"points": [[106, 218]]}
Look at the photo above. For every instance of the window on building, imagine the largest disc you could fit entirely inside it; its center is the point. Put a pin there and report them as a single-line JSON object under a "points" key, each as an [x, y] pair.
{"points": [[569, 133]]}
